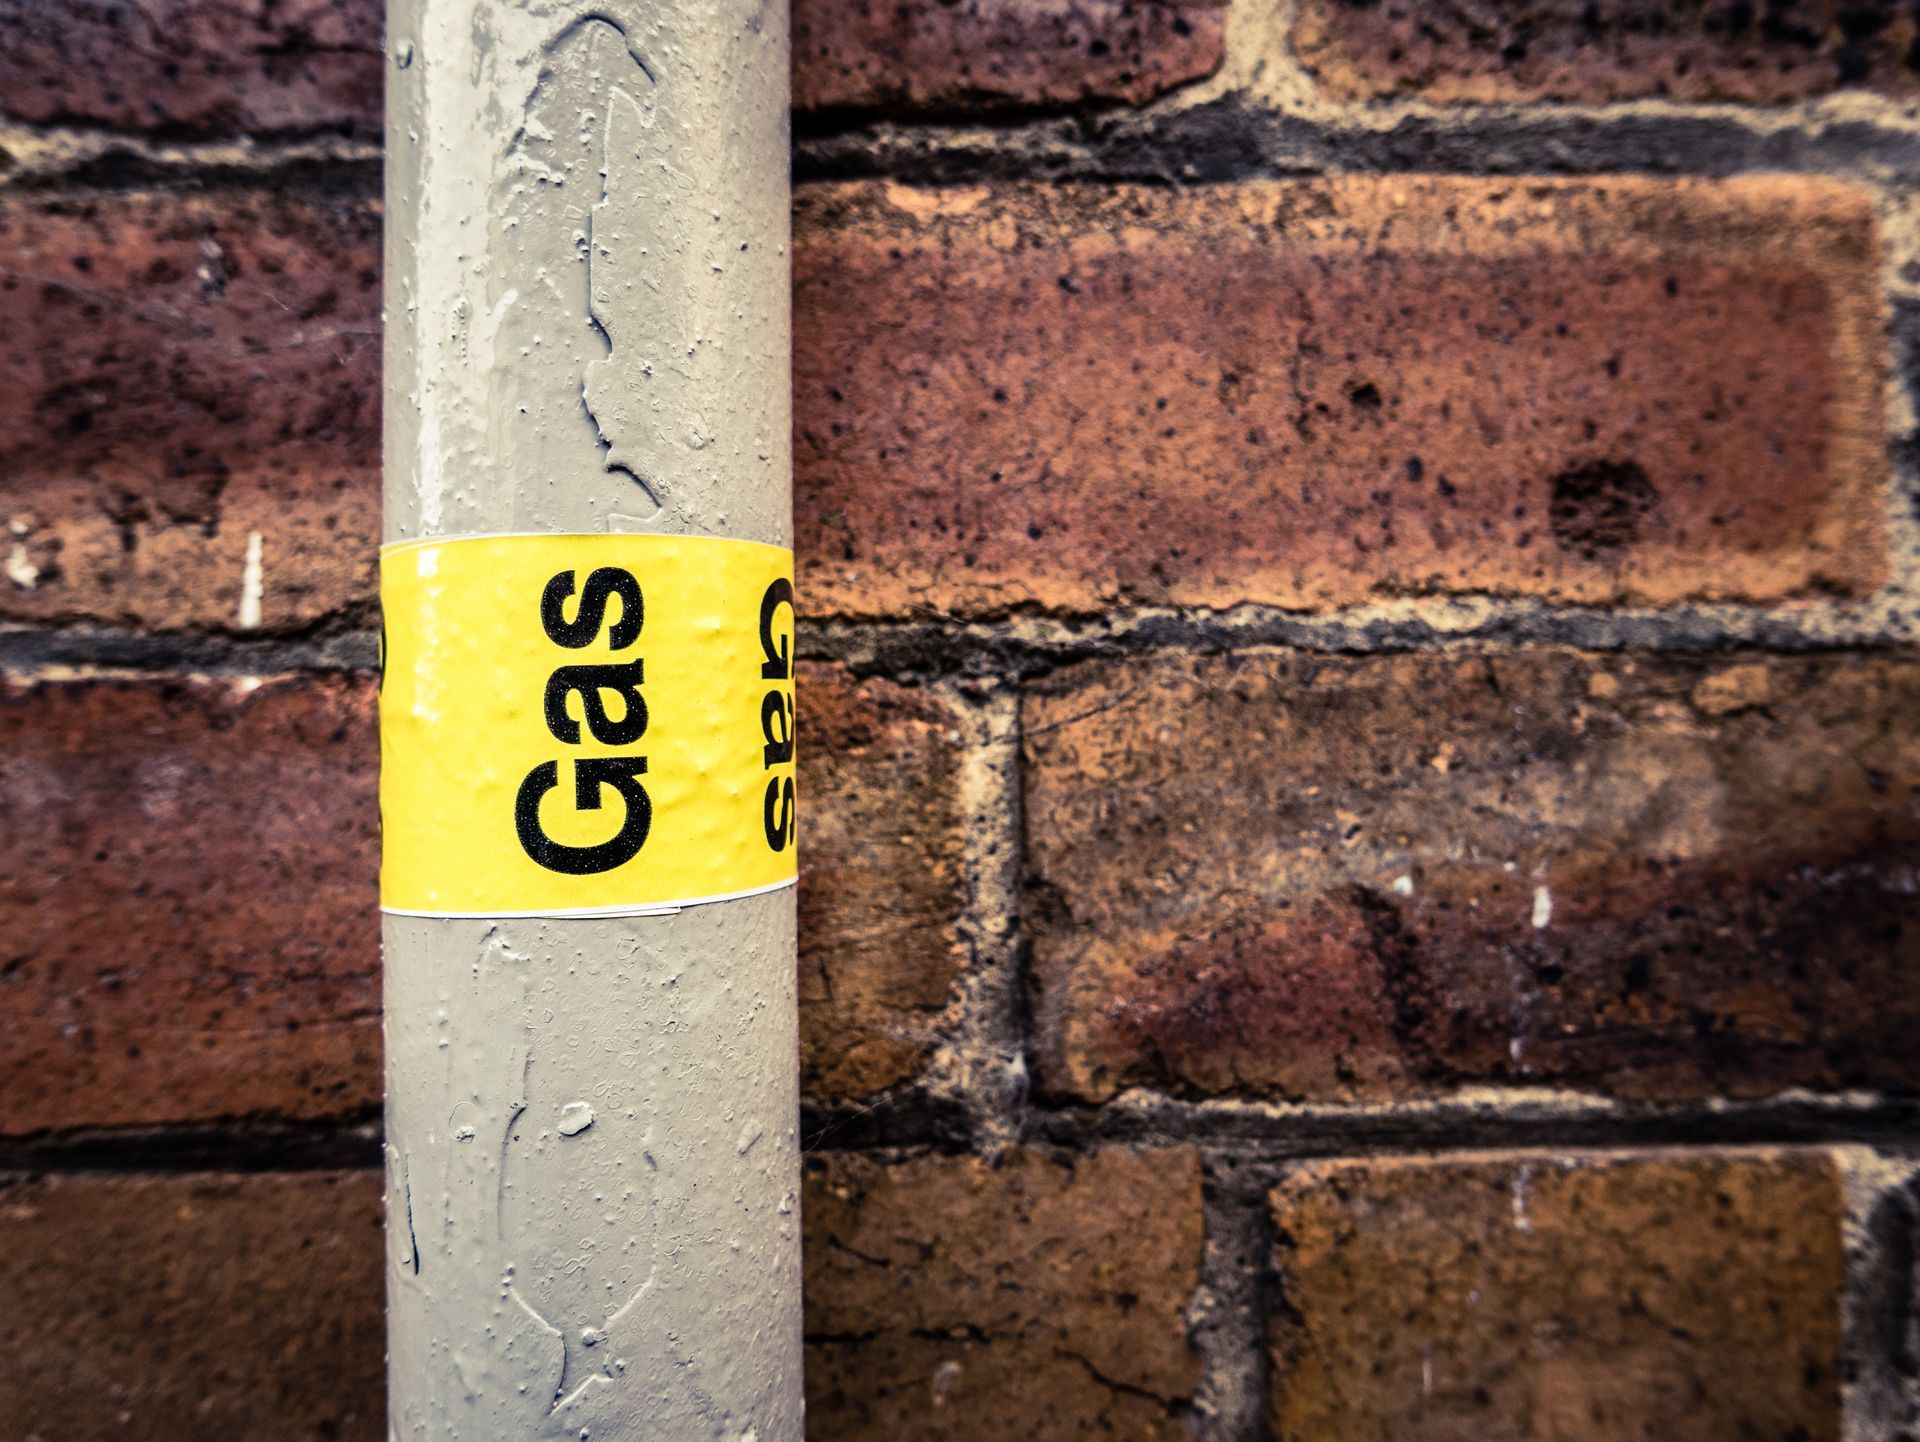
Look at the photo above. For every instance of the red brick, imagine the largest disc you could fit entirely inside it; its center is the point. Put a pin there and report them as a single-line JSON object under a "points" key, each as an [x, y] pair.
{"points": [[199, 958], [193, 67], [187, 892], [949, 1297], [880, 879], [1561, 1299], [1365, 391], [209, 67], [1357, 879], [177, 374], [928, 55], [1321, 392], [1454, 50], [179, 1308]]}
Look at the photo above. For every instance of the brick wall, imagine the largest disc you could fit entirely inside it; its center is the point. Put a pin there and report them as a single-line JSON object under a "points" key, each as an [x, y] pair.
{"points": [[1362, 719]]}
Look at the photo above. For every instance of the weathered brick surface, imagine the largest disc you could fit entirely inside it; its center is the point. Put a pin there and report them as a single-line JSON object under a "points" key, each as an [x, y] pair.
{"points": [[1586, 391], [950, 1298], [197, 68], [209, 944], [1318, 392], [926, 55], [1721, 50], [179, 373], [193, 67], [180, 1308], [880, 879], [1371, 878], [187, 895], [1561, 1299]]}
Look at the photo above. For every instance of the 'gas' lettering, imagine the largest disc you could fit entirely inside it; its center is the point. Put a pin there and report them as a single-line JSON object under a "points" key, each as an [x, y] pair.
{"points": [[591, 684], [776, 714]]}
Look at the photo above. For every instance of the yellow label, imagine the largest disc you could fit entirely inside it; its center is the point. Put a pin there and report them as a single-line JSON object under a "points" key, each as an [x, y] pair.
{"points": [[584, 725]]}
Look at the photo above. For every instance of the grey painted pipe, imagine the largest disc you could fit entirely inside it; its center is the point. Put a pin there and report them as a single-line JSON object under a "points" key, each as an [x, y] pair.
{"points": [[592, 1151]]}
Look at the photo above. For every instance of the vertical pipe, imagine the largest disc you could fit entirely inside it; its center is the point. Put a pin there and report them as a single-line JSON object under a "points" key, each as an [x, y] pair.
{"points": [[592, 1147]]}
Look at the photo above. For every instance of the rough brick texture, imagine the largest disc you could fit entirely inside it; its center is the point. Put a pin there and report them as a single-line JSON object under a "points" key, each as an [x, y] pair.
{"points": [[210, 946], [193, 67], [1369, 878], [199, 68], [951, 1298], [1585, 391], [880, 898], [1720, 50], [181, 1308], [1320, 392], [1051, 428], [179, 373], [959, 55], [187, 892], [1561, 1299]]}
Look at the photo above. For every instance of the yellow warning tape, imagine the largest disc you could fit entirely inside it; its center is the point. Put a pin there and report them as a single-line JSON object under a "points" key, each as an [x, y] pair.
{"points": [[579, 725]]}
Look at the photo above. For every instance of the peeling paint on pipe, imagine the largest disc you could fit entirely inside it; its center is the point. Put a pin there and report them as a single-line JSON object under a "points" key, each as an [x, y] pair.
{"points": [[592, 1161]]}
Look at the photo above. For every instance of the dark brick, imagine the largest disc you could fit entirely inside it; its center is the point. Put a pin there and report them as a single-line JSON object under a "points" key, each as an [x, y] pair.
{"points": [[1561, 1298], [187, 892], [193, 68], [932, 56], [954, 1298], [182, 1308], [1348, 879], [198, 68], [1601, 50], [205, 942]]}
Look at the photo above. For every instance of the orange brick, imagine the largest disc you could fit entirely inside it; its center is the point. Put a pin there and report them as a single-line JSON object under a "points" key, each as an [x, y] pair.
{"points": [[1321, 392], [1562, 1299], [948, 1297], [880, 879]]}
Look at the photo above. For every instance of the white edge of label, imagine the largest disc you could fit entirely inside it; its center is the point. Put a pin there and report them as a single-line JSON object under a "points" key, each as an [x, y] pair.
{"points": [[391, 547], [579, 913]]}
